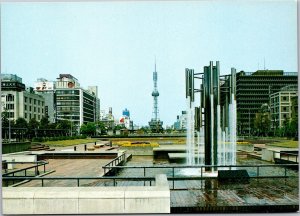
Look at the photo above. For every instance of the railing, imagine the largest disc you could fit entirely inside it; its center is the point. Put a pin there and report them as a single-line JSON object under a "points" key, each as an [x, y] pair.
{"points": [[16, 173], [113, 180], [172, 176], [36, 167], [286, 156], [256, 171], [284, 74], [115, 162]]}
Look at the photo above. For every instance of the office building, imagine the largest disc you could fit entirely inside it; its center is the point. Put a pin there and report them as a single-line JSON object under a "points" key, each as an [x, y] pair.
{"points": [[181, 121], [18, 101], [46, 89], [253, 89], [281, 107], [75, 103], [65, 99]]}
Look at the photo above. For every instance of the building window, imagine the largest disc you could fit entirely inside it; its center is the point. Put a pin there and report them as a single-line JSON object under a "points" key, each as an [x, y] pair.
{"points": [[39, 102], [30, 116], [25, 107], [25, 98], [25, 115], [29, 108], [285, 109], [10, 97], [38, 110], [34, 116], [30, 100], [10, 106], [34, 101], [34, 109]]}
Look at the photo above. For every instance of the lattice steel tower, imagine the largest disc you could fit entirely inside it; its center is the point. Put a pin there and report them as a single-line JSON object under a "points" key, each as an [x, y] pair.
{"points": [[155, 124]]}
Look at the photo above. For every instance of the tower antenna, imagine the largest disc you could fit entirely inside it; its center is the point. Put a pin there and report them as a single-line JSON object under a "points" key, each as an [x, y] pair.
{"points": [[155, 124]]}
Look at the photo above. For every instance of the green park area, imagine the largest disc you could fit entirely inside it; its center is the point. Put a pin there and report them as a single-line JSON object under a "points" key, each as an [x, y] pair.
{"points": [[63, 143], [176, 141], [285, 144]]}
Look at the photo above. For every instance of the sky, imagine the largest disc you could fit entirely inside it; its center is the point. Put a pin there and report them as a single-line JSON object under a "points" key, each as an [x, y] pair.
{"points": [[114, 45]]}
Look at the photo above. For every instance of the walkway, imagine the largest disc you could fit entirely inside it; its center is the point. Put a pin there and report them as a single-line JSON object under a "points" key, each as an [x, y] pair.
{"points": [[71, 168], [262, 193]]}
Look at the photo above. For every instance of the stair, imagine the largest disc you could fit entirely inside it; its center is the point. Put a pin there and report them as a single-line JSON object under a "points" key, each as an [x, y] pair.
{"points": [[39, 147]]}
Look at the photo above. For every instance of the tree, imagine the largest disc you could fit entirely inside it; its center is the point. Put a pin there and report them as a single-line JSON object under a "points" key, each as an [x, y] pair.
{"points": [[21, 123], [262, 121], [88, 129], [64, 124], [143, 130], [33, 124], [44, 123], [262, 124], [4, 119], [119, 127], [293, 127], [101, 127]]}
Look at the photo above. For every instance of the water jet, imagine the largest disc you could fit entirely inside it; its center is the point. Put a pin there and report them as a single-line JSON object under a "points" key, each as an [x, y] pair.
{"points": [[211, 128]]}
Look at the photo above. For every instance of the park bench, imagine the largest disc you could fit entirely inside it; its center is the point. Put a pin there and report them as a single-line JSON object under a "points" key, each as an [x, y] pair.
{"points": [[91, 148]]}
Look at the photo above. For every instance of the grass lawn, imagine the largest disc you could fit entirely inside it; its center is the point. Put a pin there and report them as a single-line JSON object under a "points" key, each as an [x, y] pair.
{"points": [[285, 144], [174, 140], [63, 143]]}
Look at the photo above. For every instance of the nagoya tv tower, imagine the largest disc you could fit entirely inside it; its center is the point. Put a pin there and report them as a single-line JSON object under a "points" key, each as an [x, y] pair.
{"points": [[155, 124]]}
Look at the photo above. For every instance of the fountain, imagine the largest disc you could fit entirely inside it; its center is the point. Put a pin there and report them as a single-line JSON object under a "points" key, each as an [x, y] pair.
{"points": [[215, 140]]}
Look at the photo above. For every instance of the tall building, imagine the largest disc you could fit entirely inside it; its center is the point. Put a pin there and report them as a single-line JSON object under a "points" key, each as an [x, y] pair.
{"points": [[66, 100], [125, 119], [46, 89], [155, 123], [281, 107], [18, 101], [253, 89], [74, 103], [107, 119], [126, 112], [181, 121]]}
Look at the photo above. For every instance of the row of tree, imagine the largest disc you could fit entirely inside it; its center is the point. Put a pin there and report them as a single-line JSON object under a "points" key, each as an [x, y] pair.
{"points": [[21, 123], [263, 125]]}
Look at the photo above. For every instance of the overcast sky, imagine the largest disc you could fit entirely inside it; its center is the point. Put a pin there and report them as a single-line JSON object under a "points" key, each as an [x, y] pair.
{"points": [[113, 45]]}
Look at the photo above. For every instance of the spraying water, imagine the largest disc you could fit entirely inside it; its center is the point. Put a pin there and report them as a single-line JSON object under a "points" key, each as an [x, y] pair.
{"points": [[222, 139], [226, 138]]}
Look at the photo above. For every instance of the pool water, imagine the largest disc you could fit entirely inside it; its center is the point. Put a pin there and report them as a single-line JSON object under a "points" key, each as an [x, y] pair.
{"points": [[140, 161]]}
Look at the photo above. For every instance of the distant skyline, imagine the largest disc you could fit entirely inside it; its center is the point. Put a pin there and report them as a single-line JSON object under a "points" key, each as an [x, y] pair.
{"points": [[113, 45]]}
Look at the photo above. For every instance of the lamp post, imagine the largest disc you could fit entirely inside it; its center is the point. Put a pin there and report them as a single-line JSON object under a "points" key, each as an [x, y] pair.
{"points": [[71, 125], [9, 131], [249, 122]]}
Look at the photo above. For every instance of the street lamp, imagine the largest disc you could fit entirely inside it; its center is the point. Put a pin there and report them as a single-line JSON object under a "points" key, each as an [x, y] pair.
{"points": [[9, 130], [249, 123], [71, 125]]}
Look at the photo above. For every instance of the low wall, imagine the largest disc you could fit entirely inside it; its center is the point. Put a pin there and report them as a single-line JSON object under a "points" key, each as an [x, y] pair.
{"points": [[144, 151], [245, 147], [18, 158], [267, 155], [88, 200], [15, 147]]}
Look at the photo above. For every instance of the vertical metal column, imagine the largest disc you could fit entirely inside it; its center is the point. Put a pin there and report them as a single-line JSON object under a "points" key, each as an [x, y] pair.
{"points": [[207, 114], [211, 99], [216, 102]]}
